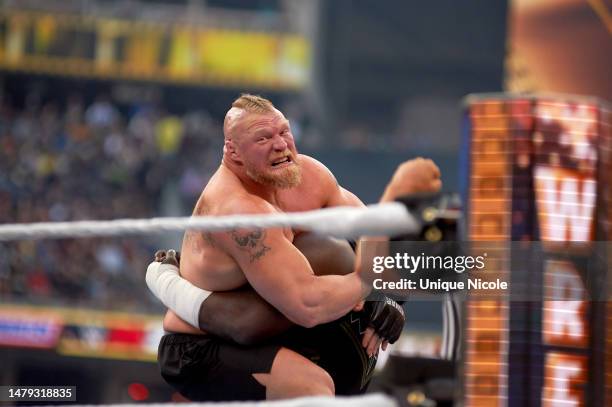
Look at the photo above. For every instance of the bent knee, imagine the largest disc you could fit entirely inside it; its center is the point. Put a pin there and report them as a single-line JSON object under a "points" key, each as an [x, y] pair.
{"points": [[292, 375], [316, 382], [302, 387]]}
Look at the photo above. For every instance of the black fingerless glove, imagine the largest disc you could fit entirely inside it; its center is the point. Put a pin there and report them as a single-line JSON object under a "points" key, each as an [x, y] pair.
{"points": [[386, 317]]}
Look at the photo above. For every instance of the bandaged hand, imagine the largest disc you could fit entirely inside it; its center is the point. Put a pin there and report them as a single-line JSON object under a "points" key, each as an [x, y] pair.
{"points": [[176, 293]]}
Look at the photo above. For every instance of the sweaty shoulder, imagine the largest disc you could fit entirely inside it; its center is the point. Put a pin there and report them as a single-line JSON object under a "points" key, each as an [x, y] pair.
{"points": [[320, 182], [244, 203], [225, 195], [315, 171]]}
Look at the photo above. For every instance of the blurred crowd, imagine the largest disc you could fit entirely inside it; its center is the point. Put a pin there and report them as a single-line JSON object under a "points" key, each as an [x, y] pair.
{"points": [[72, 160]]}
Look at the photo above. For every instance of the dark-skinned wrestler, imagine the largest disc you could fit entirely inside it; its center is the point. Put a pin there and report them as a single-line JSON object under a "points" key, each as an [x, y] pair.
{"points": [[344, 348]]}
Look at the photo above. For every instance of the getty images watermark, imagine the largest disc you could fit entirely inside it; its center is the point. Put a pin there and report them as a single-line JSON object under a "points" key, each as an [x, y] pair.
{"points": [[516, 271], [406, 263]]}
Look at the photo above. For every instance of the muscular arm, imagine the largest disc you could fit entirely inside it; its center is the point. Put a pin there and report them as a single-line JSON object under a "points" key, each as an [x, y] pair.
{"points": [[248, 318], [277, 270], [241, 316], [244, 317]]}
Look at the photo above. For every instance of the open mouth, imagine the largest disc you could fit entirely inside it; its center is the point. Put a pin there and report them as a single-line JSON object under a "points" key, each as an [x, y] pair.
{"points": [[279, 162]]}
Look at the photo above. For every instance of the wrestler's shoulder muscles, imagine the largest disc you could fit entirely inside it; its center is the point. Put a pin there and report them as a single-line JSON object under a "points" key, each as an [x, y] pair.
{"points": [[328, 187], [317, 169], [244, 204], [311, 161], [202, 207]]}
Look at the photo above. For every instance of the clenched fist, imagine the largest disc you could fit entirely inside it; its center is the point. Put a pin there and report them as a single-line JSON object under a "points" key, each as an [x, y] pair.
{"points": [[417, 175]]}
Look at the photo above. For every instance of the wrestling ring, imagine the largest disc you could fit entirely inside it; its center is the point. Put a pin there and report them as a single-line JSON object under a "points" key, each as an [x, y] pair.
{"points": [[517, 189], [388, 219]]}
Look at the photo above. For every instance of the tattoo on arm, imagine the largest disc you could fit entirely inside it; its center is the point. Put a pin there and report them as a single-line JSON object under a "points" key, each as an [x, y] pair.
{"points": [[191, 238], [198, 240], [251, 241], [208, 238]]}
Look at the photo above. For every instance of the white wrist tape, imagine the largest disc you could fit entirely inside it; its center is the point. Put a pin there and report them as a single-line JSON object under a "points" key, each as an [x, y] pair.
{"points": [[176, 293]]}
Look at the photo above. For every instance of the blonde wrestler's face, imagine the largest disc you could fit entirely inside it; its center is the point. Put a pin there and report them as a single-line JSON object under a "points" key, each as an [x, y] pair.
{"points": [[266, 146]]}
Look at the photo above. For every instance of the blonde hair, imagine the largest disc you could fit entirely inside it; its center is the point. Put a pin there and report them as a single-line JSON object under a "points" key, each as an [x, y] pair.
{"points": [[250, 104], [253, 104]]}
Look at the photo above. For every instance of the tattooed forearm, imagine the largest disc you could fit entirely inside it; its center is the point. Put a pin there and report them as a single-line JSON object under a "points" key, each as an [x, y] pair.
{"points": [[251, 241]]}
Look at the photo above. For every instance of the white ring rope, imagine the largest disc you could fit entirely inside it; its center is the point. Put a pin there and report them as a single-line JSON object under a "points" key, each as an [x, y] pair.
{"points": [[390, 218]]}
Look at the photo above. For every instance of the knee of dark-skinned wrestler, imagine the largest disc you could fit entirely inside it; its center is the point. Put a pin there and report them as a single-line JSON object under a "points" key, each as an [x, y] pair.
{"points": [[325, 254]]}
